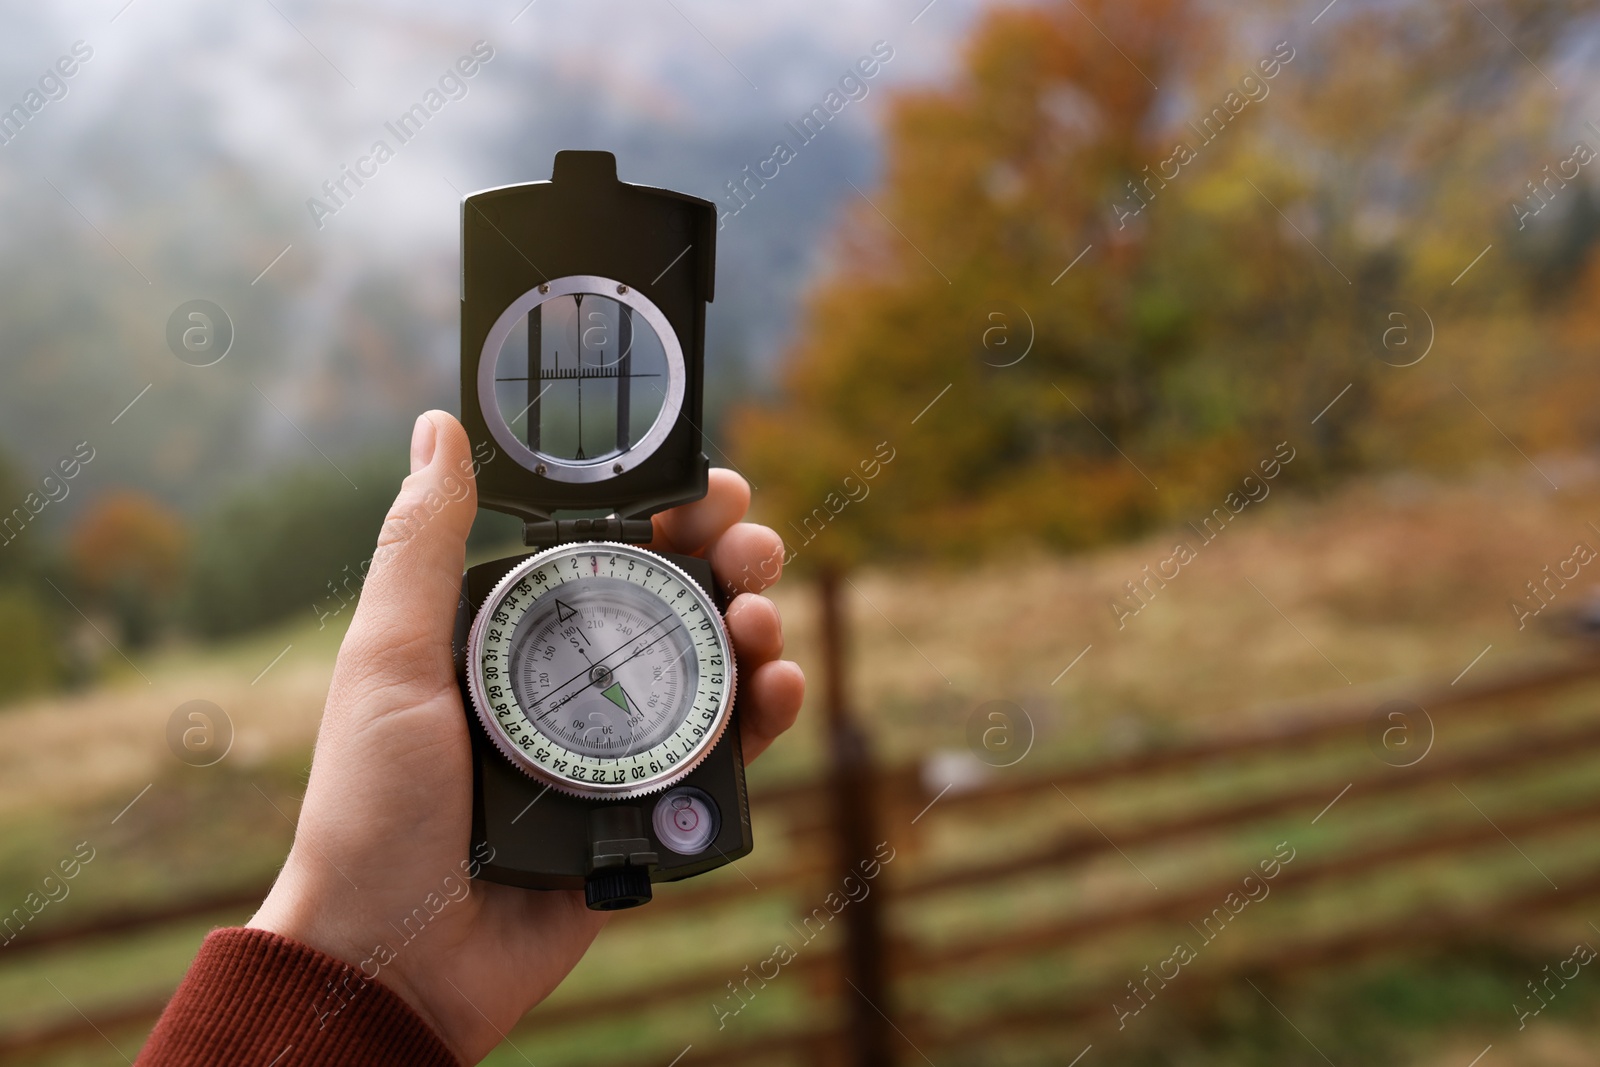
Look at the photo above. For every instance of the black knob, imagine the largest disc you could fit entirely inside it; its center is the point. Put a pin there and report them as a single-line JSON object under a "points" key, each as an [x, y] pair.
{"points": [[617, 888]]}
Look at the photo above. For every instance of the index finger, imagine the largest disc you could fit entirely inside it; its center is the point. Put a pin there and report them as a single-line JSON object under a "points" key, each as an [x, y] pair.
{"points": [[691, 527]]}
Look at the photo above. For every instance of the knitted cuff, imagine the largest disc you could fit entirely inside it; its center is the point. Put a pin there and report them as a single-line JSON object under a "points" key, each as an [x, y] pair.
{"points": [[258, 998]]}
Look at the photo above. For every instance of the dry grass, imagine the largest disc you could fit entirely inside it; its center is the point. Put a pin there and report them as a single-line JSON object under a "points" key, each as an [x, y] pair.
{"points": [[1376, 586], [111, 740]]}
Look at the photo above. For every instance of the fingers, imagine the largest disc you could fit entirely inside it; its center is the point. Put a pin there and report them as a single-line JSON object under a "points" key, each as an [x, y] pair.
{"points": [[404, 621], [770, 689], [755, 628], [769, 701], [747, 558], [690, 528]]}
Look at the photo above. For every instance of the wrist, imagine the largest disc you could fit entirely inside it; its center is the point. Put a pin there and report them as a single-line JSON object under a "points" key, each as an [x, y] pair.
{"points": [[300, 908]]}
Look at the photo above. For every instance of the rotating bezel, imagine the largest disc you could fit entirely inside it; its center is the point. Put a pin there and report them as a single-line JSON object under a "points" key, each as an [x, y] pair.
{"points": [[652, 782]]}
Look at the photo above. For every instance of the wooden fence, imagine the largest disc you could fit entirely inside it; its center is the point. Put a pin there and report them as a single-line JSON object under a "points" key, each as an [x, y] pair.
{"points": [[892, 985]]}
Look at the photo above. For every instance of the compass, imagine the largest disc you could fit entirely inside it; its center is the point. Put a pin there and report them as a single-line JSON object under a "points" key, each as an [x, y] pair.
{"points": [[597, 675]]}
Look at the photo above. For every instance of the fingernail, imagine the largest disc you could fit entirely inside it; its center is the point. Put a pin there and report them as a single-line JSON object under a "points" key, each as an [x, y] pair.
{"points": [[423, 439]]}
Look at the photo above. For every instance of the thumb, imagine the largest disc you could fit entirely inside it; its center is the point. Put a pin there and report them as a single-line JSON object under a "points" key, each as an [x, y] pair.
{"points": [[404, 621]]}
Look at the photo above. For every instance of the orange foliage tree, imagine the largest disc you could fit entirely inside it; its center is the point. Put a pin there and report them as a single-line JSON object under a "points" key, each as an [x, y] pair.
{"points": [[1118, 299], [126, 553]]}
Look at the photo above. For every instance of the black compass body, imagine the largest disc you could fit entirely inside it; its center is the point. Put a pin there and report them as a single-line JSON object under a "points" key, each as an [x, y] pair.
{"points": [[598, 678]]}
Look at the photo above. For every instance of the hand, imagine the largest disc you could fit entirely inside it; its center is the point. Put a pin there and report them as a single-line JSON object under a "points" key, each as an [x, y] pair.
{"points": [[388, 809]]}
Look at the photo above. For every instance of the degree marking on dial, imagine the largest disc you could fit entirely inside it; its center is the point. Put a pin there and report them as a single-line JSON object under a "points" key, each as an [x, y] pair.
{"points": [[583, 674]]}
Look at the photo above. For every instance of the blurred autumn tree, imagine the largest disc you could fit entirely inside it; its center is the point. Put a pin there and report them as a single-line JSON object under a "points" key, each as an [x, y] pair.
{"points": [[1241, 240], [126, 555]]}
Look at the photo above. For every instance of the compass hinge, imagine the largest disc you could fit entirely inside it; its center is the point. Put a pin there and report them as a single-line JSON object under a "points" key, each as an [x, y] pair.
{"points": [[545, 532]]}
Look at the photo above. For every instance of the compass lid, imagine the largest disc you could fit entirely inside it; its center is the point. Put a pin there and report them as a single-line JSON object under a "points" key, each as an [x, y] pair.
{"points": [[582, 347]]}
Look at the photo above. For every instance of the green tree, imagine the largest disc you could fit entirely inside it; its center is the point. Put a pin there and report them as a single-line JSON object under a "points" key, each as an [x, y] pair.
{"points": [[286, 547], [30, 630]]}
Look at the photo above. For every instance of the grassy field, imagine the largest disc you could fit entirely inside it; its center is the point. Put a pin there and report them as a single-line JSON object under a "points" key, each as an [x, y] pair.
{"points": [[1299, 602]]}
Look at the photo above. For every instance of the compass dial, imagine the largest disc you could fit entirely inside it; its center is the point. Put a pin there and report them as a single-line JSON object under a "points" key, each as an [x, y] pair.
{"points": [[601, 669]]}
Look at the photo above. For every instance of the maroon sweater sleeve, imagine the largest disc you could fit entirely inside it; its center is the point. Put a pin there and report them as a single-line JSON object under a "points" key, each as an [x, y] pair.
{"points": [[259, 999]]}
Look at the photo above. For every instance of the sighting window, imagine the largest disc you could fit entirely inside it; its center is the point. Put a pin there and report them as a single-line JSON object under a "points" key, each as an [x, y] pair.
{"points": [[583, 378]]}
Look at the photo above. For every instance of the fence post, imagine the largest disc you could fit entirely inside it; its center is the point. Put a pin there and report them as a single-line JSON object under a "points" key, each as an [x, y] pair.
{"points": [[853, 817]]}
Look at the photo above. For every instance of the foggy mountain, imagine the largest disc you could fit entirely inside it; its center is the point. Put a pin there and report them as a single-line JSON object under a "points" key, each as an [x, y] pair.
{"points": [[196, 151]]}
